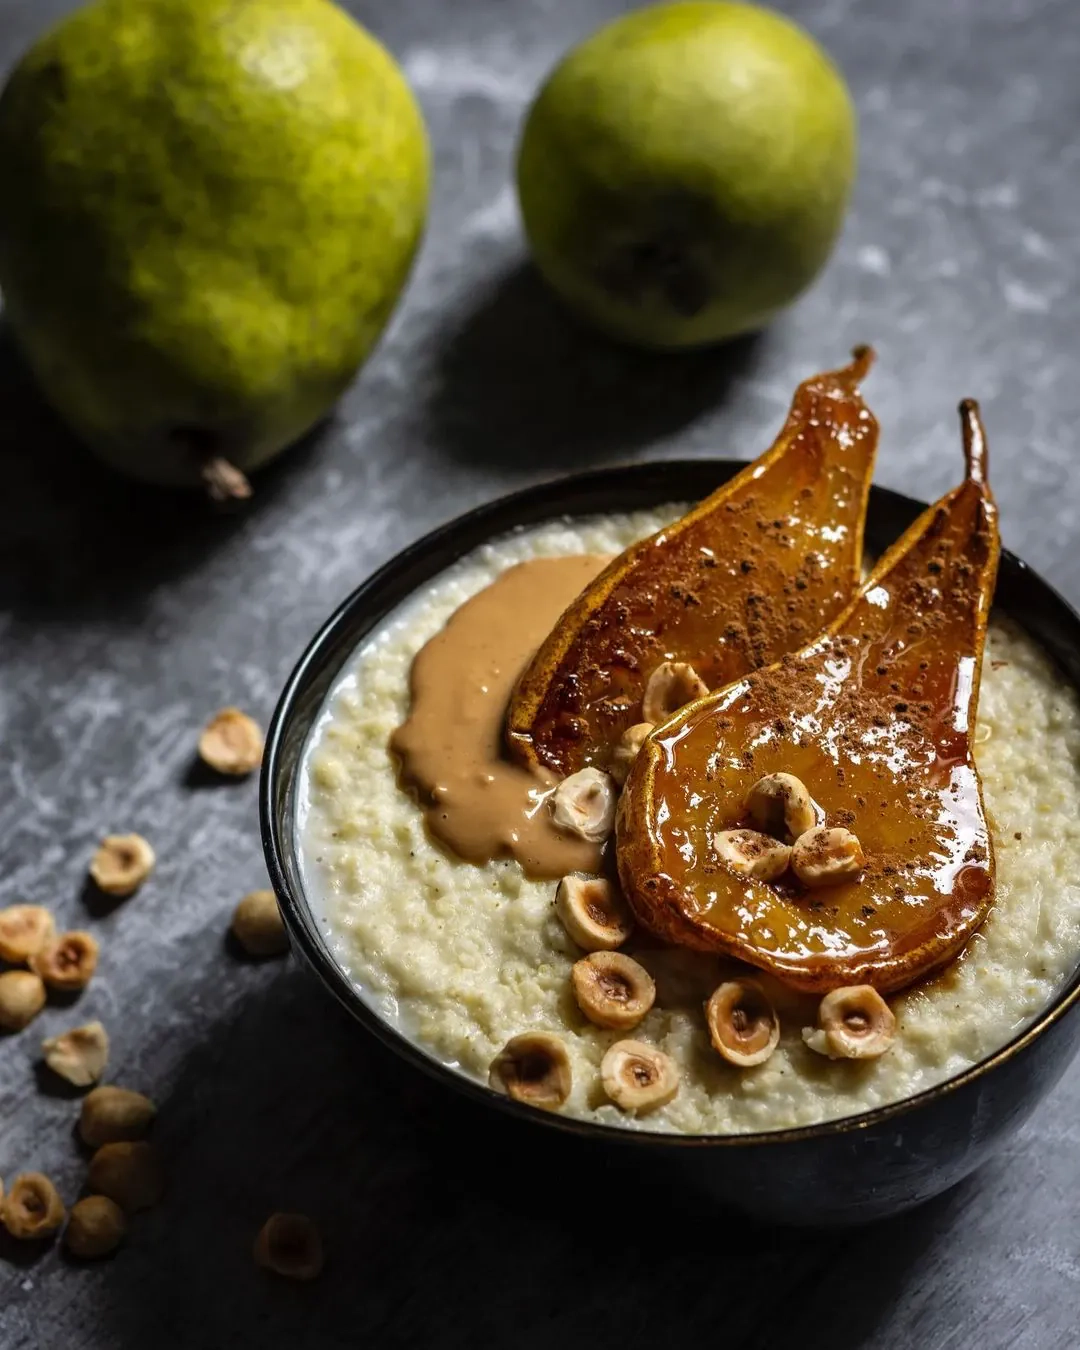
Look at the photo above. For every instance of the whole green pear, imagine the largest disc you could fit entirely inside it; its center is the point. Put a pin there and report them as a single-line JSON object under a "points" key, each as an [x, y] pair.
{"points": [[208, 210], [684, 172]]}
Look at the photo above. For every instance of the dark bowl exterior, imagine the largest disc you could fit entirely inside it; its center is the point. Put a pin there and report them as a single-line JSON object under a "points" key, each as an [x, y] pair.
{"points": [[847, 1171]]}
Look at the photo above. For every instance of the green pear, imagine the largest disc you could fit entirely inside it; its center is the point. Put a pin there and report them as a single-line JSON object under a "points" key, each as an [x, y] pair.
{"points": [[684, 172], [210, 209]]}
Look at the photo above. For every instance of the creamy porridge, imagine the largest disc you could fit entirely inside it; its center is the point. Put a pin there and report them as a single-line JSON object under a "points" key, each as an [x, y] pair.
{"points": [[463, 957]]}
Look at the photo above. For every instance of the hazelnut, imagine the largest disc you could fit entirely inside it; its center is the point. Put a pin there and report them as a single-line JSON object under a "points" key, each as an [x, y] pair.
{"points": [[584, 804], [780, 805], [612, 990], [78, 1055], [128, 1173], [593, 912], [231, 743], [32, 1208], [112, 1115], [750, 854], [67, 962], [22, 997], [638, 1077], [533, 1068], [743, 1025], [827, 855], [290, 1245], [121, 864], [96, 1228], [24, 930], [853, 1023], [258, 926], [626, 750], [670, 687]]}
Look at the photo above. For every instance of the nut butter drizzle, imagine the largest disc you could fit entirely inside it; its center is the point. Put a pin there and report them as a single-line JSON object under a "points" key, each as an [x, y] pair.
{"points": [[450, 753]]}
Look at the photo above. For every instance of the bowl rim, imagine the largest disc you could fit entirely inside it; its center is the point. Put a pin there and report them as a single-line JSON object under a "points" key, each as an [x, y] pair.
{"points": [[568, 496]]}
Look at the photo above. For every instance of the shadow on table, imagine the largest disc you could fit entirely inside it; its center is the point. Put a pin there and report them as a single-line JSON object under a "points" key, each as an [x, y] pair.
{"points": [[77, 539], [521, 385], [444, 1228]]}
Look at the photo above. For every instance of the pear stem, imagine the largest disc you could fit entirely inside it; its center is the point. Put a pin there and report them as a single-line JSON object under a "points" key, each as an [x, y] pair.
{"points": [[975, 449], [224, 481], [853, 374]]}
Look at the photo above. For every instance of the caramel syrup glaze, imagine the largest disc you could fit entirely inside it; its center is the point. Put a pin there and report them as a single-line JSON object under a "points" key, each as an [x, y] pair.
{"points": [[877, 718], [754, 571], [450, 751]]}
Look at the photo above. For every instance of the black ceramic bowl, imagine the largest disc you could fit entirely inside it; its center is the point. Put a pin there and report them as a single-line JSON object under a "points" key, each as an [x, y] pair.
{"points": [[845, 1171]]}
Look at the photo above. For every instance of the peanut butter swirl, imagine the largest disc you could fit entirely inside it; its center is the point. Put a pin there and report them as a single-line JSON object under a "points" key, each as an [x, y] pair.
{"points": [[450, 751]]}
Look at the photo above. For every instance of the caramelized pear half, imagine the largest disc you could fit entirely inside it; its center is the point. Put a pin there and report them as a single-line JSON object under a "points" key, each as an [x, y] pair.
{"points": [[752, 572], [876, 718]]}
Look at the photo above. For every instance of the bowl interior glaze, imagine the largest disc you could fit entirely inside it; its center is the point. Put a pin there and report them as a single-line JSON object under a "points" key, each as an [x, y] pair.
{"points": [[1021, 594]]}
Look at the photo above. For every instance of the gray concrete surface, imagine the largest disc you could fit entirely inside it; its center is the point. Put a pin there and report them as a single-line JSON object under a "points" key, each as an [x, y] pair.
{"points": [[127, 617]]}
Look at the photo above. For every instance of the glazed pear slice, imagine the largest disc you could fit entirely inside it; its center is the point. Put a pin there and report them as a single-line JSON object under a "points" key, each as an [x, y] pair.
{"points": [[876, 718], [752, 572]]}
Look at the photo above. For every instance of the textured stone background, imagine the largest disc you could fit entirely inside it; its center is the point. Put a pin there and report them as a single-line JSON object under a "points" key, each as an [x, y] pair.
{"points": [[127, 617]]}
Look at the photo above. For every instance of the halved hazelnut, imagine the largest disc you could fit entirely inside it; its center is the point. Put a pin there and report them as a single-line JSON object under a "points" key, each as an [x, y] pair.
{"points": [[585, 804], [290, 1245], [533, 1068], [827, 855], [24, 930], [128, 1173], [626, 750], [743, 1025], [638, 1077], [231, 743], [612, 990], [22, 997], [854, 1022], [593, 912], [780, 805], [752, 854], [78, 1055], [32, 1208], [96, 1228], [670, 687], [121, 864], [68, 961]]}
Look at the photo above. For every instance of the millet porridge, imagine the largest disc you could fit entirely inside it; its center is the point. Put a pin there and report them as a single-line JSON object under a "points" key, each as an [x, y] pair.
{"points": [[462, 957]]}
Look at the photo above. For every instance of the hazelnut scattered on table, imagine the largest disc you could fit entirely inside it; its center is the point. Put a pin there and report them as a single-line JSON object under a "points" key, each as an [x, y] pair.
{"points": [[22, 997], [258, 926], [95, 1229], [112, 1115], [79, 1055], [121, 864], [128, 1173], [32, 1208], [231, 743], [290, 1245], [24, 930], [67, 962]]}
